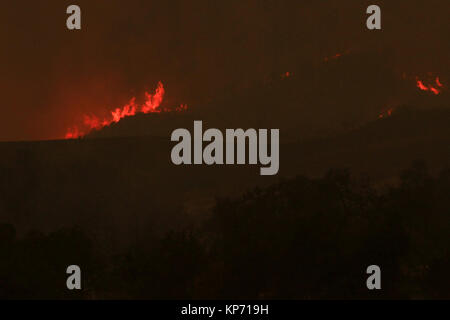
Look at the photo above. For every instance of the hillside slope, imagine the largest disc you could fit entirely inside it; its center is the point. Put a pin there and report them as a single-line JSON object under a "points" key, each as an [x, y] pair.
{"points": [[119, 184]]}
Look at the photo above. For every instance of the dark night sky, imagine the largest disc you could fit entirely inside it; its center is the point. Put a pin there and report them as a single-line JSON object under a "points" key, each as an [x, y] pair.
{"points": [[50, 75]]}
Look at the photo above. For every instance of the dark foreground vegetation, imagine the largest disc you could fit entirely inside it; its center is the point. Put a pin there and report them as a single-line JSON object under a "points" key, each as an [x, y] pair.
{"points": [[298, 239]]}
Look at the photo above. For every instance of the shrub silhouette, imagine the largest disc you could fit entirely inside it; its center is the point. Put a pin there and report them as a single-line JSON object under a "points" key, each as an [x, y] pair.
{"points": [[301, 238]]}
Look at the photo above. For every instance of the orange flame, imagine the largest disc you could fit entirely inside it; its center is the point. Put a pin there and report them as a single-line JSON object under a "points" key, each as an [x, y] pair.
{"points": [[287, 74], [386, 114], [337, 56], [151, 105], [420, 84], [153, 101]]}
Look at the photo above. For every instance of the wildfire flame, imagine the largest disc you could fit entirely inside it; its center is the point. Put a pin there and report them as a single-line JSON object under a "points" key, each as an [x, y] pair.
{"points": [[286, 74], [337, 55], [386, 114], [434, 88], [151, 105]]}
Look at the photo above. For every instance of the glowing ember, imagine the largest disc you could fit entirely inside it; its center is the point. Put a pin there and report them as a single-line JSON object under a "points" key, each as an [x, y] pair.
{"points": [[286, 75], [433, 88], [151, 105], [386, 114], [73, 133], [182, 107], [336, 56]]}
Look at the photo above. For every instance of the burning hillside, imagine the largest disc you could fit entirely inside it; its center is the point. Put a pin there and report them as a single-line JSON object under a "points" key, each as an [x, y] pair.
{"points": [[432, 84], [152, 104]]}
